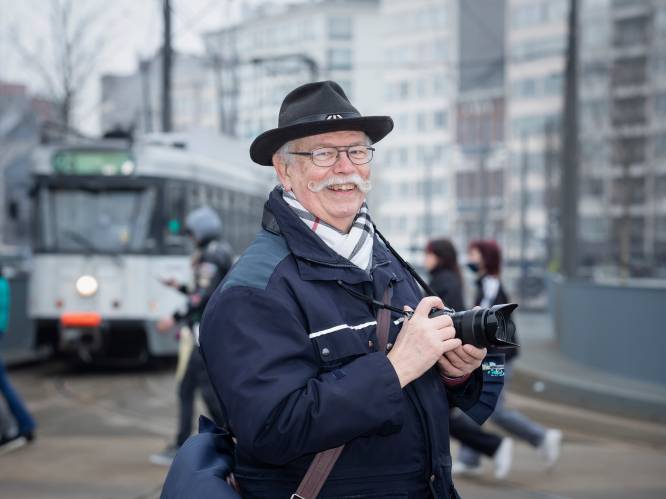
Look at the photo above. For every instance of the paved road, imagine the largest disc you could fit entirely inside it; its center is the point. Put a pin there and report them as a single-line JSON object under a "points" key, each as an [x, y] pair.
{"points": [[98, 428]]}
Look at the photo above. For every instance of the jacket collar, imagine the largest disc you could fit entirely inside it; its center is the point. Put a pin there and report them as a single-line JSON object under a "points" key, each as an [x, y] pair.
{"points": [[316, 261]]}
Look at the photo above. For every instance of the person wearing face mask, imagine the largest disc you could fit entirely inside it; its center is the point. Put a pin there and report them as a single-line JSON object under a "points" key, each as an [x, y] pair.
{"points": [[441, 261], [484, 258]]}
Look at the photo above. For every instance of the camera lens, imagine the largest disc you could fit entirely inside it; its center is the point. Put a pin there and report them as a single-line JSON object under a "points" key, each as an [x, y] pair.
{"points": [[483, 327]]}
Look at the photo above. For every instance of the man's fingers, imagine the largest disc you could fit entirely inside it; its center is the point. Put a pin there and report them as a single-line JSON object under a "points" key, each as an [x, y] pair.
{"points": [[427, 303], [442, 321], [455, 359], [447, 333], [464, 356], [474, 352], [450, 369], [451, 344]]}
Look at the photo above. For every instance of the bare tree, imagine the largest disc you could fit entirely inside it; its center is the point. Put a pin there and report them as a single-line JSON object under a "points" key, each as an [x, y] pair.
{"points": [[66, 60]]}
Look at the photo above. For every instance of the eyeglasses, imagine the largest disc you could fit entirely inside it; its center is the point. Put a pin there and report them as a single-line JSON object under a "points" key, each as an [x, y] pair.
{"points": [[327, 156]]}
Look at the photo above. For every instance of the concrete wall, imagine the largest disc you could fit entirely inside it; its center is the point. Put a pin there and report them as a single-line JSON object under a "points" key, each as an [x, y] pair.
{"points": [[618, 328]]}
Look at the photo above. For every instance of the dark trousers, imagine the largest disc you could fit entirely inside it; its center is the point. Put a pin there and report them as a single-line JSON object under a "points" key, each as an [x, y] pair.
{"points": [[467, 432], [26, 424], [195, 377]]}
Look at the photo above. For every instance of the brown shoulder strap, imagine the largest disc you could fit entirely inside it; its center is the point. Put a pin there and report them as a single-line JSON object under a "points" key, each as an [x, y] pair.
{"points": [[323, 462], [384, 321], [317, 473]]}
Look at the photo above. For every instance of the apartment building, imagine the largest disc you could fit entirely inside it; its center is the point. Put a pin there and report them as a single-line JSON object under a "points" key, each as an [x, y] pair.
{"points": [[134, 101], [275, 48], [623, 137], [480, 122], [536, 34], [414, 177]]}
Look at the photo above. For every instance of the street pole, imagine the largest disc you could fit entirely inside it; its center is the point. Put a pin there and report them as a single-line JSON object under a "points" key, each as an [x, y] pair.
{"points": [[569, 181], [144, 67], [523, 217], [166, 68], [313, 67]]}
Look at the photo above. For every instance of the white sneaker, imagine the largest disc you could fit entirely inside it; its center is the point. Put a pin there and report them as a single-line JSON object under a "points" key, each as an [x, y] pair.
{"points": [[464, 469], [550, 447], [503, 458], [9, 444]]}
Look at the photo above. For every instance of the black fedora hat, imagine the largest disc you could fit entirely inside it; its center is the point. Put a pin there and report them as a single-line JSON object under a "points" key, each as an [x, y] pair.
{"points": [[312, 109]]}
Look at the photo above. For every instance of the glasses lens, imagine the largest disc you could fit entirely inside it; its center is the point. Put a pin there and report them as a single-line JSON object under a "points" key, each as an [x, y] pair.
{"points": [[359, 155], [325, 156]]}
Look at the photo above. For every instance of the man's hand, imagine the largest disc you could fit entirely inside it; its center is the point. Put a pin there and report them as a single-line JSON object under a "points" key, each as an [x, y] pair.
{"points": [[422, 341], [165, 324], [461, 360]]}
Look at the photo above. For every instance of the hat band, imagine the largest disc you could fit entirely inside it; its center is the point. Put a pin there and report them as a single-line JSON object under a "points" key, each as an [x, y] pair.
{"points": [[323, 117]]}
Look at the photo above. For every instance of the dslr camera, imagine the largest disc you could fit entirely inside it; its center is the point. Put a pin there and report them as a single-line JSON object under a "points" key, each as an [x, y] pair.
{"points": [[483, 327]]}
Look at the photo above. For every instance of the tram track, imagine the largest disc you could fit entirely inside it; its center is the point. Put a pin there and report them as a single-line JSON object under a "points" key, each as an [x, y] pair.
{"points": [[108, 409]]}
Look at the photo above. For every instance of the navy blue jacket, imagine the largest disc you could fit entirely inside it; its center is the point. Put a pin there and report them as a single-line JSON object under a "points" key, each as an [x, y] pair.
{"points": [[292, 356]]}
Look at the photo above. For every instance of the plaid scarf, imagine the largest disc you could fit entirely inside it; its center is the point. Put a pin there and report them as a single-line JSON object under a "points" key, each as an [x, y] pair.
{"points": [[355, 246]]}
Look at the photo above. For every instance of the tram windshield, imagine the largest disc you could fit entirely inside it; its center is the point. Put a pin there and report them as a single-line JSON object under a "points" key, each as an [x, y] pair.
{"points": [[96, 221]]}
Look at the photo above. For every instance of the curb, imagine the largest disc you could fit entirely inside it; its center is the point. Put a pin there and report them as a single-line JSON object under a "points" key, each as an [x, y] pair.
{"points": [[610, 399]]}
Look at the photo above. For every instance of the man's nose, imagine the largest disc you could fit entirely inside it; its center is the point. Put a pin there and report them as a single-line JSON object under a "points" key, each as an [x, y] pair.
{"points": [[343, 163]]}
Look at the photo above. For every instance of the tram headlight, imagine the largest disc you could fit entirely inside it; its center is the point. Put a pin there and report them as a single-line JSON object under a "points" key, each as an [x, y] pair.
{"points": [[86, 285], [127, 168]]}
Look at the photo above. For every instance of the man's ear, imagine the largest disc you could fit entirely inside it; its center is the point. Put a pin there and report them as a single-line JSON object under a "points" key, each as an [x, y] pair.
{"points": [[281, 168]]}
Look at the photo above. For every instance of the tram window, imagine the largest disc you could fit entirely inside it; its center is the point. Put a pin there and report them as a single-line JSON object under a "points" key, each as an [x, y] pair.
{"points": [[174, 211], [224, 195], [74, 219]]}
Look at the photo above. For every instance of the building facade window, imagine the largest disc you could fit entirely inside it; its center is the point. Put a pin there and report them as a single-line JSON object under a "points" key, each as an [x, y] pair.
{"points": [[440, 119], [530, 125], [630, 32], [421, 122], [340, 58], [538, 49], [340, 28]]}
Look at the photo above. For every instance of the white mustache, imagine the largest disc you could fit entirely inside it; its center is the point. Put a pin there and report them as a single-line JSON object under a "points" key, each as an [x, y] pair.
{"points": [[363, 185]]}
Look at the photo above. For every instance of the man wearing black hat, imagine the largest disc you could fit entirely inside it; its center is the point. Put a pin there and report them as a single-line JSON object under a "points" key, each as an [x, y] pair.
{"points": [[304, 340]]}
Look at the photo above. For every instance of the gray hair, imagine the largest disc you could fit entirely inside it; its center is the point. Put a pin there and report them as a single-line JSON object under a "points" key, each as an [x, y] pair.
{"points": [[284, 150]]}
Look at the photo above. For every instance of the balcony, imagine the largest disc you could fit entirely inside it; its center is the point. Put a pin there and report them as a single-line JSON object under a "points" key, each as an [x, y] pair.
{"points": [[631, 32]]}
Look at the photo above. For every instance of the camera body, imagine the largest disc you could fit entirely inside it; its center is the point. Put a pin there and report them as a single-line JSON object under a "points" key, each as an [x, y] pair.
{"points": [[483, 327]]}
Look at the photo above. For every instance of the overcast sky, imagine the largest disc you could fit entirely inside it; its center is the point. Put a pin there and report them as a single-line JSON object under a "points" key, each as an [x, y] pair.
{"points": [[132, 28]]}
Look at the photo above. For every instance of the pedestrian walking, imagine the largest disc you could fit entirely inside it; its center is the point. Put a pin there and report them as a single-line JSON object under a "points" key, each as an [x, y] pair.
{"points": [[484, 259], [210, 262], [24, 421], [441, 261]]}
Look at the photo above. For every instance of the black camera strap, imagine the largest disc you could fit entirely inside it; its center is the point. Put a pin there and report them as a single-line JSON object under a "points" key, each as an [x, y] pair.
{"points": [[369, 299], [409, 268], [378, 304]]}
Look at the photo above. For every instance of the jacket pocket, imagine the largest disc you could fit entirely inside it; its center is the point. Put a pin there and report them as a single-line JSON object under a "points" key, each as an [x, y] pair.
{"points": [[340, 347]]}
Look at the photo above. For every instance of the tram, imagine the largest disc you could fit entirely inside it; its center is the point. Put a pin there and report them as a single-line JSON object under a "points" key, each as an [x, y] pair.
{"points": [[109, 228]]}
